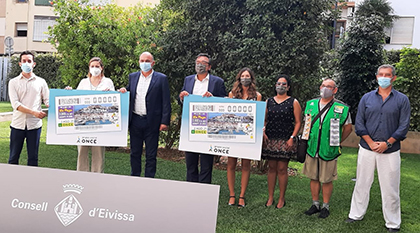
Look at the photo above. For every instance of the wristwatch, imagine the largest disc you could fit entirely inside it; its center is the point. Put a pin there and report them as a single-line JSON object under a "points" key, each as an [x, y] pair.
{"points": [[389, 145], [292, 137]]}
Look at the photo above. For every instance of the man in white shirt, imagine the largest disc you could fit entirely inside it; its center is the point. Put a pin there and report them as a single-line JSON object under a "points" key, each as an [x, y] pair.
{"points": [[26, 93], [206, 85]]}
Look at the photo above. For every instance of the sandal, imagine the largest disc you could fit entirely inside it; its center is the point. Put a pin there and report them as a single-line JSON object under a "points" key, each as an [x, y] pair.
{"points": [[272, 203], [284, 204], [229, 200], [239, 205]]}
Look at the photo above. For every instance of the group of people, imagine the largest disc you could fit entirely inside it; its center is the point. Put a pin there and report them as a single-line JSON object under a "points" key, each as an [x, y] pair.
{"points": [[382, 122]]}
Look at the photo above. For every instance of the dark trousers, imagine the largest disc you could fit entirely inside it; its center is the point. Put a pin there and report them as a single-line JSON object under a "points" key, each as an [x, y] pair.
{"points": [[206, 167], [17, 137], [141, 132]]}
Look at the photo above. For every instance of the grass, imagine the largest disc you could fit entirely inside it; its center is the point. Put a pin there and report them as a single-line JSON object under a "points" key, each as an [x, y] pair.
{"points": [[5, 107], [255, 217]]}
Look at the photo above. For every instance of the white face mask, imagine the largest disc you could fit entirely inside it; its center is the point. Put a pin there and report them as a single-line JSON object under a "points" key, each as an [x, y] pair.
{"points": [[95, 71], [384, 82], [27, 67]]}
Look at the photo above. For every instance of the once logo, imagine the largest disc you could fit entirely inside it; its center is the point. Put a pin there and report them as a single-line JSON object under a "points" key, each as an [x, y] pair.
{"points": [[69, 209], [221, 150]]}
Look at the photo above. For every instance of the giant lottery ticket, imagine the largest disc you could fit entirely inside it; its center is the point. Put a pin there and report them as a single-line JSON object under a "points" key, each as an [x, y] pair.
{"points": [[85, 117], [222, 126]]}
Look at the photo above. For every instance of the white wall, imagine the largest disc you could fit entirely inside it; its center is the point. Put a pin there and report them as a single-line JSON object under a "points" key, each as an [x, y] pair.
{"points": [[405, 8], [2, 26]]}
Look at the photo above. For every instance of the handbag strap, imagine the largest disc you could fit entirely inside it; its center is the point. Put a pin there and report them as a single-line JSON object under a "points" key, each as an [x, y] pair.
{"points": [[328, 106]]}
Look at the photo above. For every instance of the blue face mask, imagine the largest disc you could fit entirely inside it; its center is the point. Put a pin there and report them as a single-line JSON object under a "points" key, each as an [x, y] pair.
{"points": [[145, 66], [384, 82], [26, 67]]}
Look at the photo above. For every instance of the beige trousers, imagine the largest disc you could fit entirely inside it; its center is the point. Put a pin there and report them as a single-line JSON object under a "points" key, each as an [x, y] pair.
{"points": [[98, 158]]}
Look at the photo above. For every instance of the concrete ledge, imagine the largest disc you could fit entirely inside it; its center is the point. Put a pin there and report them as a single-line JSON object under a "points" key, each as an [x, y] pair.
{"points": [[6, 116], [410, 145]]}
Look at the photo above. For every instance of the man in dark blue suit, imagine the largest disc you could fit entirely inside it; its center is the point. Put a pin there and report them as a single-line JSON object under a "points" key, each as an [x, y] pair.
{"points": [[150, 112], [206, 85]]}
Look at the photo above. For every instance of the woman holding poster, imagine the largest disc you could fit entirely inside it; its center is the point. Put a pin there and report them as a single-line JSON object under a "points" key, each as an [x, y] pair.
{"points": [[95, 80], [282, 124], [243, 88]]}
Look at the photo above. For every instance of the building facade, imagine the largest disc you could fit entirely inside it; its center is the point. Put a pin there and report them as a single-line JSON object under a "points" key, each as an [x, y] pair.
{"points": [[405, 30]]}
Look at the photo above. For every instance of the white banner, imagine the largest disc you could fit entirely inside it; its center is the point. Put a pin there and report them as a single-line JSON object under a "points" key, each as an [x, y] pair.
{"points": [[52, 200]]}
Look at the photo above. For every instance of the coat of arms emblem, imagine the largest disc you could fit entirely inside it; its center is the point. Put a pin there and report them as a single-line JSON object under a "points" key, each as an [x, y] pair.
{"points": [[69, 209]]}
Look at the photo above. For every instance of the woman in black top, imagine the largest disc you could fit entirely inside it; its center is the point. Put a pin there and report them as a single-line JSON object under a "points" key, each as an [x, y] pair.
{"points": [[282, 124]]}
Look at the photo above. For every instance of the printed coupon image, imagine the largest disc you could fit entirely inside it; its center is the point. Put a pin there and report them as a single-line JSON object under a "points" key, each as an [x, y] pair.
{"points": [[89, 113]]}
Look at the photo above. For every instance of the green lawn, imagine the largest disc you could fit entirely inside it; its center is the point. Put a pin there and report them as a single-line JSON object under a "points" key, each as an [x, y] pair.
{"points": [[255, 217], [5, 107]]}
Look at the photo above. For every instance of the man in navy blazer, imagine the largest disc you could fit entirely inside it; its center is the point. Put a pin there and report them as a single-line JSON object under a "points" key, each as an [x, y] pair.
{"points": [[206, 85], [150, 112]]}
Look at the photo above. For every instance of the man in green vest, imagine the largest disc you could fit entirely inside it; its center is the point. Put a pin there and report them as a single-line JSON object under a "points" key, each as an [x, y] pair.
{"points": [[326, 129]]}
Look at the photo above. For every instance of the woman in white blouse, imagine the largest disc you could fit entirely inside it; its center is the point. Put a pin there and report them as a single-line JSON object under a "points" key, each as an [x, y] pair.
{"points": [[95, 81]]}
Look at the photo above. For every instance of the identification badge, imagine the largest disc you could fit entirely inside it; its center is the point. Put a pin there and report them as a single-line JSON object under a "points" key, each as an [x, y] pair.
{"points": [[307, 127], [338, 109], [335, 132]]}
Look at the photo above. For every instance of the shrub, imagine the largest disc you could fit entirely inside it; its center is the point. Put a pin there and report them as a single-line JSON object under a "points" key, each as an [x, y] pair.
{"points": [[408, 82], [47, 67]]}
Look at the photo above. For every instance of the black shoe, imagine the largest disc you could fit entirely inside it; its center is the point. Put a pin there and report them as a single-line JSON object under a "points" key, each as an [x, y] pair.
{"points": [[241, 206], [229, 200], [284, 204], [312, 210], [324, 213], [350, 220], [393, 229]]}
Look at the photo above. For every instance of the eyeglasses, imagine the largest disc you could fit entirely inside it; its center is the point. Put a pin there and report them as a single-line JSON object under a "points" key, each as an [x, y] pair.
{"points": [[327, 86], [281, 83], [202, 63]]}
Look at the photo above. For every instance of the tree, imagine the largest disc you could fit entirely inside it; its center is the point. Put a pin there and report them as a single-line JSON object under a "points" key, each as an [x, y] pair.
{"points": [[361, 52], [115, 34], [269, 36], [408, 82]]}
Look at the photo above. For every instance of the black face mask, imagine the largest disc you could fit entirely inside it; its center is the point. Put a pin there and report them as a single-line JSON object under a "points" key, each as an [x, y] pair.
{"points": [[245, 82], [200, 68], [281, 90]]}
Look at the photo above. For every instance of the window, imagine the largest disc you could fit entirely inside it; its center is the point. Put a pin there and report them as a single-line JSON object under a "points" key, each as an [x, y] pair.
{"points": [[21, 29], [21, 1], [41, 24], [340, 28], [42, 3], [402, 31]]}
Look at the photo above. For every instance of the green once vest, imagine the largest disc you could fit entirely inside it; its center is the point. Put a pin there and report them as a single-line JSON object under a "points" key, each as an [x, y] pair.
{"points": [[319, 138]]}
